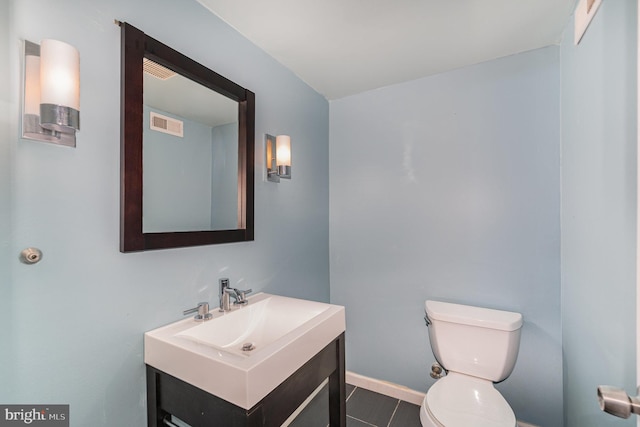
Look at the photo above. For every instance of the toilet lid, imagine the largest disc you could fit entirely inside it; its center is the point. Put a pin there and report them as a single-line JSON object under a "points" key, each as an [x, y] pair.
{"points": [[460, 401]]}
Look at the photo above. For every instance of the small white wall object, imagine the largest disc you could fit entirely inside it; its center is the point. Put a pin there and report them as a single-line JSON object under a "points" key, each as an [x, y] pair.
{"points": [[585, 11]]}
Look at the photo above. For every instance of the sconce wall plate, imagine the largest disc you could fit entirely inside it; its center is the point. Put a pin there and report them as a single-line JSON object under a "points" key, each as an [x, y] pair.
{"points": [[46, 117], [278, 157], [270, 150]]}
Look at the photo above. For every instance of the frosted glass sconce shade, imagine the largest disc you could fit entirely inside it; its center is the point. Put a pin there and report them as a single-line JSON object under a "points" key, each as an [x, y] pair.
{"points": [[51, 92], [283, 156], [278, 151], [59, 86]]}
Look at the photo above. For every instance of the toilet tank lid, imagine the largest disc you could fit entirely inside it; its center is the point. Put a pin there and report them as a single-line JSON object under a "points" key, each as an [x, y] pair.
{"points": [[474, 316]]}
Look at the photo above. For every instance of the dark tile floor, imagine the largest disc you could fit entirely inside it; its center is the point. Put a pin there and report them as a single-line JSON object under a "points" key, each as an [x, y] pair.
{"points": [[365, 408]]}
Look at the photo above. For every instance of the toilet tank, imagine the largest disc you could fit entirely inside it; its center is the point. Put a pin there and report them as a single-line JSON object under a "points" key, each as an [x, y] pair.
{"points": [[475, 341]]}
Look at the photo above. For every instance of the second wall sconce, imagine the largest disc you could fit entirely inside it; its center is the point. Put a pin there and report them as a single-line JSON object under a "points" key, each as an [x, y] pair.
{"points": [[278, 150], [51, 103]]}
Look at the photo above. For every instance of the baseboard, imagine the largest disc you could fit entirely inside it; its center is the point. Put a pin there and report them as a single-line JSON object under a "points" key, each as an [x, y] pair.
{"points": [[394, 390], [384, 387]]}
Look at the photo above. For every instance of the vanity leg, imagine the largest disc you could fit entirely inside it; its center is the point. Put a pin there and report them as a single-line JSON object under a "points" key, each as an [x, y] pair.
{"points": [[155, 415], [337, 389]]}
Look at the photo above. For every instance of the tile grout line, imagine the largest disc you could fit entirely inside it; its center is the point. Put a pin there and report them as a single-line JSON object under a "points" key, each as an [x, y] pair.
{"points": [[362, 421], [350, 394], [394, 413]]}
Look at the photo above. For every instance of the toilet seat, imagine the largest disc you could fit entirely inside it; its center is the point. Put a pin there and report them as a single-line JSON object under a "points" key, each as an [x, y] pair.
{"points": [[459, 400]]}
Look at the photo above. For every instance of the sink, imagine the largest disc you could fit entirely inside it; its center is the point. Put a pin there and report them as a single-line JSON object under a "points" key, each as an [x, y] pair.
{"points": [[242, 355], [249, 329]]}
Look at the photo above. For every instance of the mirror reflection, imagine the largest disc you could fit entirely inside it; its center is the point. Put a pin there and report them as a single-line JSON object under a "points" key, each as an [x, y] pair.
{"points": [[190, 154]]}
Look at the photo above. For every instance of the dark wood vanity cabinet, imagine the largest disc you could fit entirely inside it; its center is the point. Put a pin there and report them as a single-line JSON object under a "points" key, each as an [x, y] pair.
{"points": [[167, 395]]}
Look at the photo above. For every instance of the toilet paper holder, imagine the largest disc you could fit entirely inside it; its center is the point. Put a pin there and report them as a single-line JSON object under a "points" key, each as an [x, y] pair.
{"points": [[616, 401]]}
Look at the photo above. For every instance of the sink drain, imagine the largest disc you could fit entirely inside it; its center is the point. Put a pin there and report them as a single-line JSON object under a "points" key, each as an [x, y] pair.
{"points": [[248, 346]]}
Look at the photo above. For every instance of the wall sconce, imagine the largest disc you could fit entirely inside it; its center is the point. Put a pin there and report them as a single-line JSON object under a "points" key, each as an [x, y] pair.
{"points": [[278, 149], [51, 103]]}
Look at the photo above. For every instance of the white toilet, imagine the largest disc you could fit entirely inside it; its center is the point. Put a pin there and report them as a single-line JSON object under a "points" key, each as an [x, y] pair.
{"points": [[478, 347]]}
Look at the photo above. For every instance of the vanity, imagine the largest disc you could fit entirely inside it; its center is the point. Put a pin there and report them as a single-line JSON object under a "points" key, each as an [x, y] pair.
{"points": [[252, 366]]}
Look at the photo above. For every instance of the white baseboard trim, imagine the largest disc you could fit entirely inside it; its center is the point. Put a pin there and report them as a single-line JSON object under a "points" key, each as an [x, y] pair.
{"points": [[384, 387], [394, 390]]}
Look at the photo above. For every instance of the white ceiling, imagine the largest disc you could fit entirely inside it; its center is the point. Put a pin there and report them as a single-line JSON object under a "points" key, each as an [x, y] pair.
{"points": [[344, 47]]}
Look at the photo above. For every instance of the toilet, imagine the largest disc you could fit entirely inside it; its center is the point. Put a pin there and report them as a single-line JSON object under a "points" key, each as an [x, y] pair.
{"points": [[478, 347]]}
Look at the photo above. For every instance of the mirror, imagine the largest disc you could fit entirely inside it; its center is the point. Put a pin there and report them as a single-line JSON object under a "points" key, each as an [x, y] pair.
{"points": [[187, 150]]}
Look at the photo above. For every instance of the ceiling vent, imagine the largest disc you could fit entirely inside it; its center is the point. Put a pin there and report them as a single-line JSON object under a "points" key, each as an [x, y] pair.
{"points": [[165, 124], [156, 70]]}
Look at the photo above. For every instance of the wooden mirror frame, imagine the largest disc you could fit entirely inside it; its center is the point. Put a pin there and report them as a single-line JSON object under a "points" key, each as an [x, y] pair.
{"points": [[135, 46]]}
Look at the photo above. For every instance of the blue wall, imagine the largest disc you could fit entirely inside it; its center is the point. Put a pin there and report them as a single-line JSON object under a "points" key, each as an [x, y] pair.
{"points": [[448, 188], [79, 315], [7, 108], [599, 165]]}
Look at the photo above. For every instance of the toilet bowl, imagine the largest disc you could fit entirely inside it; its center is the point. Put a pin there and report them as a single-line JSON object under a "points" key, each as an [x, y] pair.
{"points": [[459, 400], [478, 347]]}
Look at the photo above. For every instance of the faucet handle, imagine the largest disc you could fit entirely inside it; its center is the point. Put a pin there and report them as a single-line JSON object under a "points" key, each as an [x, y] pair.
{"points": [[242, 296], [203, 312]]}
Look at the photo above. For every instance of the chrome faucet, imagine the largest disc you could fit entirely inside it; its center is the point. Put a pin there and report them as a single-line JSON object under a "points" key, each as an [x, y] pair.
{"points": [[226, 292], [203, 312], [224, 297]]}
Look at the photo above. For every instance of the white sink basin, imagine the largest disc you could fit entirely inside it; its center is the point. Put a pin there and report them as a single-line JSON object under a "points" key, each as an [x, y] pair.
{"points": [[283, 333]]}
